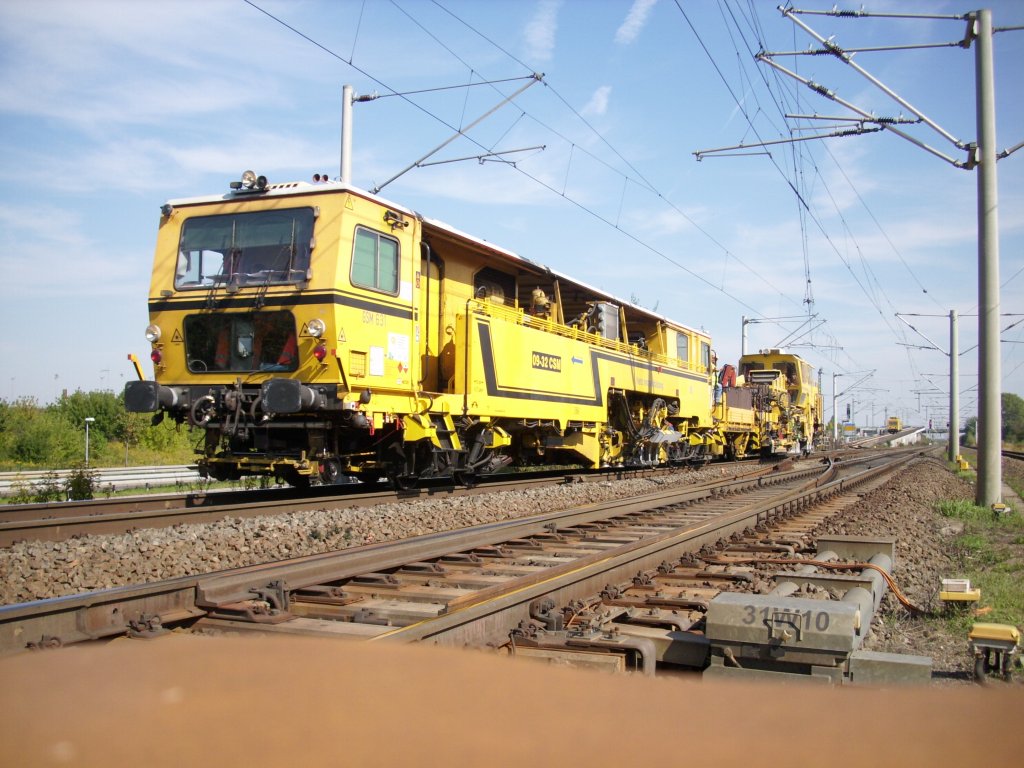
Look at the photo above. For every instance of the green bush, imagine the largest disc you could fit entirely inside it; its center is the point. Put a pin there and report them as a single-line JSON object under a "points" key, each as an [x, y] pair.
{"points": [[80, 484], [50, 488], [34, 436]]}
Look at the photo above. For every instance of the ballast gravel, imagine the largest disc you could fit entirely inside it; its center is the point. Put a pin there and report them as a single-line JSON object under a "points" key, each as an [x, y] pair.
{"points": [[904, 507], [36, 570]]}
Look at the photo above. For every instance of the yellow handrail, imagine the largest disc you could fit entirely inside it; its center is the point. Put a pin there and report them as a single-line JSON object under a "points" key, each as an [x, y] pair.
{"points": [[520, 317]]}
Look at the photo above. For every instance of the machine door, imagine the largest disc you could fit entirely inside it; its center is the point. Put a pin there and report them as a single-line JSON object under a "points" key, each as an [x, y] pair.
{"points": [[430, 332]]}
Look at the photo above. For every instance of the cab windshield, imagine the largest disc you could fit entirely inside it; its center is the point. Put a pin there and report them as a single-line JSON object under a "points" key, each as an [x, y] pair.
{"points": [[251, 341], [239, 249]]}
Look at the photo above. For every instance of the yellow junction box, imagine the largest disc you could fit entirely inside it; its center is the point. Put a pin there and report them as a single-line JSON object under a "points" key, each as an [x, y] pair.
{"points": [[970, 596], [958, 591], [1005, 633]]}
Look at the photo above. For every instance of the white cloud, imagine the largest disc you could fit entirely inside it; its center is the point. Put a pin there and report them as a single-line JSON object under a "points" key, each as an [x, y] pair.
{"points": [[634, 23], [540, 31], [133, 164], [98, 64], [663, 222], [839, 190], [598, 103], [46, 253]]}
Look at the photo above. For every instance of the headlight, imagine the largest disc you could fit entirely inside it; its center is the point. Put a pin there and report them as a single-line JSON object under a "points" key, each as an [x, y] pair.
{"points": [[248, 179], [152, 333], [316, 328]]}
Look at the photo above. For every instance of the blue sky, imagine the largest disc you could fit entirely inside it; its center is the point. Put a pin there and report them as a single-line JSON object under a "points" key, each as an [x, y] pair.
{"points": [[108, 109]]}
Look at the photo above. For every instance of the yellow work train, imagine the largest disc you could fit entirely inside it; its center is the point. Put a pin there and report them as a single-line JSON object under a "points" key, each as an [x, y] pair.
{"points": [[317, 333], [787, 399]]}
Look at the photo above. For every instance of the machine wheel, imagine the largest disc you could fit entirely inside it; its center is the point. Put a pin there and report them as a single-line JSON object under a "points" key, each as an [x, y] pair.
{"points": [[467, 478], [330, 472]]}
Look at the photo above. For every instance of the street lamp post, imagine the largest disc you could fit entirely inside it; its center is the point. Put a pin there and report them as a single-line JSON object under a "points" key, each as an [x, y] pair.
{"points": [[88, 420], [836, 395]]}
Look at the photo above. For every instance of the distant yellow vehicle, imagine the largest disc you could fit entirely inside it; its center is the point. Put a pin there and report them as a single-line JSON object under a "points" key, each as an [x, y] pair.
{"points": [[894, 424]]}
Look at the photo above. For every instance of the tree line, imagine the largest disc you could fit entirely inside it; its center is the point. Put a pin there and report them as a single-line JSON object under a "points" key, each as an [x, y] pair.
{"points": [[1013, 421], [34, 436]]}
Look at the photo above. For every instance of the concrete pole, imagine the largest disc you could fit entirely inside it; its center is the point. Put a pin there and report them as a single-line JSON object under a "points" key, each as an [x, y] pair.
{"points": [[820, 405], [954, 388], [835, 416], [990, 428], [346, 134]]}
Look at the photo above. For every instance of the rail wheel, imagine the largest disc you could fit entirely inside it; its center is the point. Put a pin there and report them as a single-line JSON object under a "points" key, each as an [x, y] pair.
{"points": [[331, 474], [411, 462]]}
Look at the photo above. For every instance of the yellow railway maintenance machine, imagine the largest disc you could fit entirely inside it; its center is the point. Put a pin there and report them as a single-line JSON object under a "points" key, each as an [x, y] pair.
{"points": [[316, 332], [787, 400]]}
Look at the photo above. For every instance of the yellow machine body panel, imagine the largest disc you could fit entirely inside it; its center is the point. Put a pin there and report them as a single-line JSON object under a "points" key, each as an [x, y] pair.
{"points": [[317, 331], [787, 399], [512, 366], [1006, 633], [368, 329]]}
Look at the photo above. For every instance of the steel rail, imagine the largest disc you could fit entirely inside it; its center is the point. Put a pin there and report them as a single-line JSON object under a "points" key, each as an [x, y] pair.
{"points": [[490, 618], [334, 566], [63, 520], [138, 609], [143, 609], [884, 437]]}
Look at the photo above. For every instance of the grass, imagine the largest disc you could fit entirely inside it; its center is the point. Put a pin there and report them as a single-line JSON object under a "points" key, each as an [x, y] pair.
{"points": [[1015, 484], [989, 552]]}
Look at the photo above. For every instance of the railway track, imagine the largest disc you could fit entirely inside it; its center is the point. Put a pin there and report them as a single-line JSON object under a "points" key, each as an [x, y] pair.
{"points": [[473, 586], [63, 520], [884, 438]]}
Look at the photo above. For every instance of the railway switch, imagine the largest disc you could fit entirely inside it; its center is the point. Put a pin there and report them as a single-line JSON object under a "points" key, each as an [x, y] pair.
{"points": [[754, 635]]}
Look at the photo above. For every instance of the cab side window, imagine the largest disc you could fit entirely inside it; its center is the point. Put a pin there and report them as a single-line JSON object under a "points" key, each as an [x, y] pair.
{"points": [[375, 261], [683, 348]]}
